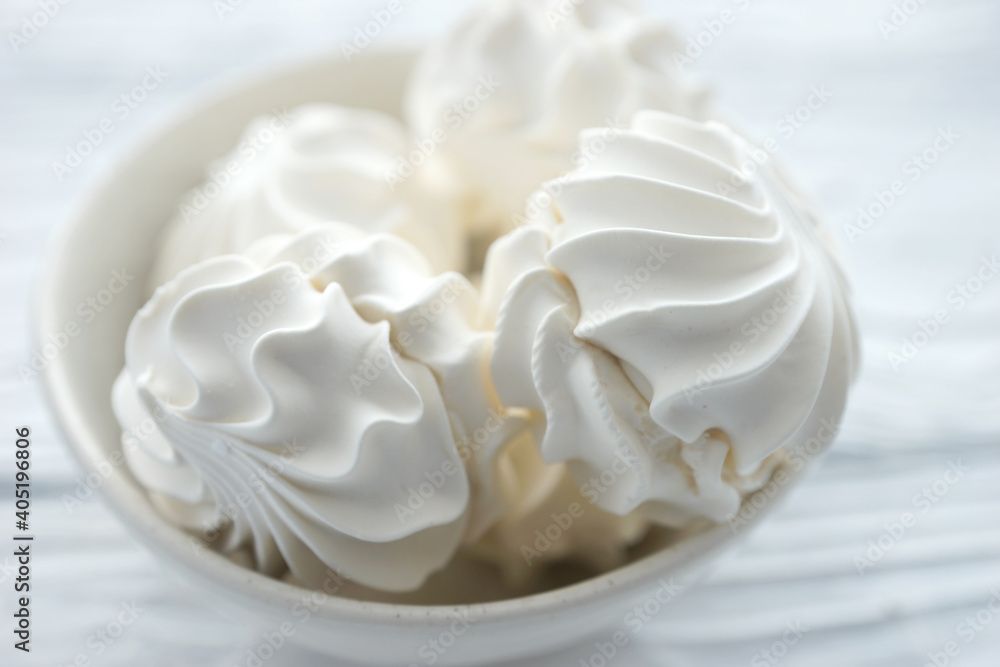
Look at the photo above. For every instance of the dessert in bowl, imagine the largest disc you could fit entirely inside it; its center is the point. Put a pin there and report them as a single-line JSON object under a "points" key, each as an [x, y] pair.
{"points": [[315, 414]]}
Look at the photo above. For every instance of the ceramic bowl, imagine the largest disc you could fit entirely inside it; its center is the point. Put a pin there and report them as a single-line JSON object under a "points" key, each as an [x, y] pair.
{"points": [[115, 230]]}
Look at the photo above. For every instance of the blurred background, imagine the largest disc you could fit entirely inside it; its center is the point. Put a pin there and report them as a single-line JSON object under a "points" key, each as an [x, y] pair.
{"points": [[910, 94]]}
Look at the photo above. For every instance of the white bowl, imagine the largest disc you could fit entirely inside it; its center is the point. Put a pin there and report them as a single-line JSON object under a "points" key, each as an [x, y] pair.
{"points": [[117, 227]]}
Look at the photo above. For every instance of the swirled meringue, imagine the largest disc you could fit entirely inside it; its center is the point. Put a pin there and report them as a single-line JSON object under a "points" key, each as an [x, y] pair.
{"points": [[318, 163], [513, 85], [433, 320], [319, 401], [676, 333]]}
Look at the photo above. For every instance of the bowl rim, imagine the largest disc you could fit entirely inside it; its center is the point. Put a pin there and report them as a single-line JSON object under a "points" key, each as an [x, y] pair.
{"points": [[172, 544]]}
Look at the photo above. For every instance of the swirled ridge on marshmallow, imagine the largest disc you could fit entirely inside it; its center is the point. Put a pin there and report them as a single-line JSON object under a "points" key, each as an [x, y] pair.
{"points": [[513, 85], [288, 377], [658, 312], [316, 163]]}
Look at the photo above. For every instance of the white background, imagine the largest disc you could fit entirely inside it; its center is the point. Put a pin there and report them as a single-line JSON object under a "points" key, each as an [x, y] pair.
{"points": [[904, 426]]}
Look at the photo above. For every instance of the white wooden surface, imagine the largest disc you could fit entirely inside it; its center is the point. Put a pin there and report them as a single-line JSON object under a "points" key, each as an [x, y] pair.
{"points": [[889, 99]]}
